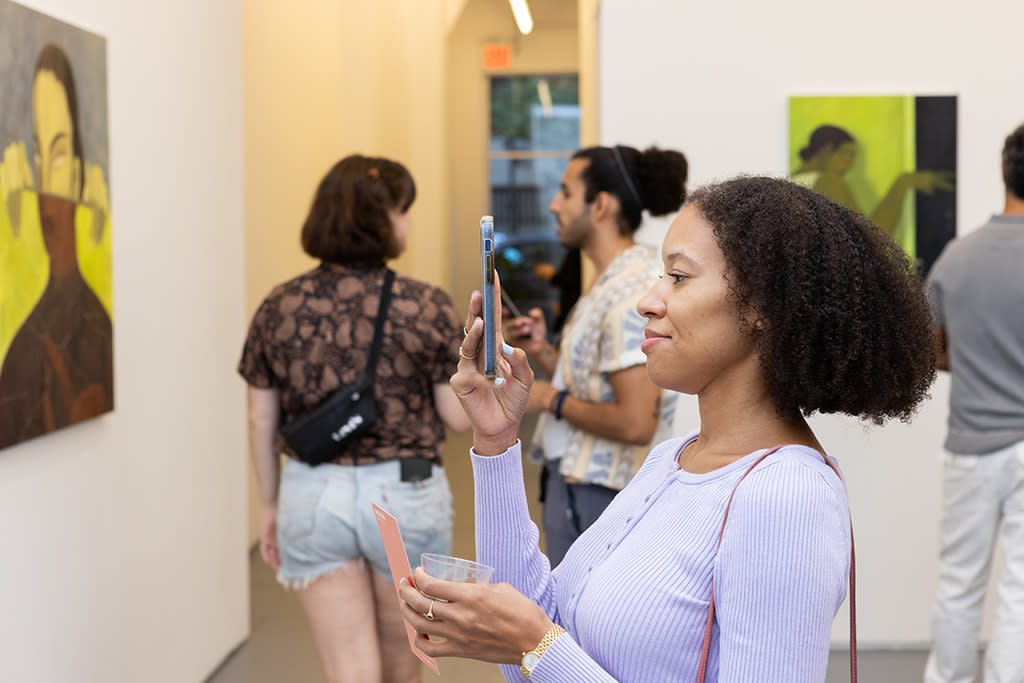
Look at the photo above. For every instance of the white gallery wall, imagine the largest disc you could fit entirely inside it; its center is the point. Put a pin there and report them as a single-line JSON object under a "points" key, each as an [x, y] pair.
{"points": [[712, 79], [124, 545]]}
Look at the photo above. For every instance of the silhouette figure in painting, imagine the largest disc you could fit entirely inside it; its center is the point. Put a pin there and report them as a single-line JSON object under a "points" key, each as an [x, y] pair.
{"points": [[830, 154]]}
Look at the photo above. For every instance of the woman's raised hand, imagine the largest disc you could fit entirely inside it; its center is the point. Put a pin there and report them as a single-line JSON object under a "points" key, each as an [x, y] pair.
{"points": [[494, 406]]}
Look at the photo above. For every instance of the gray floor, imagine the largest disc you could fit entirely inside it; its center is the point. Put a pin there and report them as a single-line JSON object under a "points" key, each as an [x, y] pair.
{"points": [[280, 648]]}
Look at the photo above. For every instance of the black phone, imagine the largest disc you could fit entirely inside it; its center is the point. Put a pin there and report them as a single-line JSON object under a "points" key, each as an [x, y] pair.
{"points": [[512, 308], [416, 469]]}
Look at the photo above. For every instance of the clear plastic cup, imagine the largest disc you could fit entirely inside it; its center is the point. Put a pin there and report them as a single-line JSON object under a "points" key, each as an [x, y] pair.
{"points": [[449, 568]]}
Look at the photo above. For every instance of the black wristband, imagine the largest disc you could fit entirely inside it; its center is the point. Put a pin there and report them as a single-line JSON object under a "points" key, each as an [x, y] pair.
{"points": [[559, 400]]}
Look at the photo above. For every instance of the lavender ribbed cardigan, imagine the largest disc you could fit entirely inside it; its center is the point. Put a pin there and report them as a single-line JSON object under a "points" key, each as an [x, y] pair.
{"points": [[633, 590]]}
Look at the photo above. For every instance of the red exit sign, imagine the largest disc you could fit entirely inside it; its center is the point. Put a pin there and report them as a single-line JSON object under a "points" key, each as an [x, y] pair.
{"points": [[497, 56]]}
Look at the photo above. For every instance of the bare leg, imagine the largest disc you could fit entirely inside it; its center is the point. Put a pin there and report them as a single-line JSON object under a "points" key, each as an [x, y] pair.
{"points": [[398, 662], [340, 609]]}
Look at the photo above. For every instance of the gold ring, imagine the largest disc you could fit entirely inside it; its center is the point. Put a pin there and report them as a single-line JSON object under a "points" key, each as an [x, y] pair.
{"points": [[465, 356], [429, 614]]}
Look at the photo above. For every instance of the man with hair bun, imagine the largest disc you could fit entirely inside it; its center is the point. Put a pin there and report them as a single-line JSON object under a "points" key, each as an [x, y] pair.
{"points": [[977, 295], [601, 411]]}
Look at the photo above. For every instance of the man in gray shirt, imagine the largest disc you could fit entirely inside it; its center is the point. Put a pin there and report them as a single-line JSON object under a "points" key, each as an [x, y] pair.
{"points": [[977, 294]]}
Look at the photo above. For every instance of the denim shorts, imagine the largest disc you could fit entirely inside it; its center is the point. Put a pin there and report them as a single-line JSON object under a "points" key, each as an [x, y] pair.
{"points": [[324, 517]]}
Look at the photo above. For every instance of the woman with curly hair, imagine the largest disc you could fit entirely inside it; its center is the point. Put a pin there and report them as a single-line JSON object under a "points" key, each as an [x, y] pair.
{"points": [[775, 303]]}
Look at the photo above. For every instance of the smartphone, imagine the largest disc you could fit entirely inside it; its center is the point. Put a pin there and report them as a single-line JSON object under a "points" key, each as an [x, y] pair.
{"points": [[487, 268], [512, 308], [414, 469]]}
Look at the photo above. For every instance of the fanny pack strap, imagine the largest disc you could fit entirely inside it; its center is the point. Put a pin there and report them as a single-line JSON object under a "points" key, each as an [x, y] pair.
{"points": [[382, 310], [706, 647]]}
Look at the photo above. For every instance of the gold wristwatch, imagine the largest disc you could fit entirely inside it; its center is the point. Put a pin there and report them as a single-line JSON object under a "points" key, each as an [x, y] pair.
{"points": [[531, 658]]}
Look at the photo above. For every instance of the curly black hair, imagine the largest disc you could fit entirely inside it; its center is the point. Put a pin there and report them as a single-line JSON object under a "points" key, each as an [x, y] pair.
{"points": [[839, 317], [1013, 162]]}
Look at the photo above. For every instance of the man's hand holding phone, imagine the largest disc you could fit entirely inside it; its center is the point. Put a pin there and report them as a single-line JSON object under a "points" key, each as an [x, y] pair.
{"points": [[530, 333]]}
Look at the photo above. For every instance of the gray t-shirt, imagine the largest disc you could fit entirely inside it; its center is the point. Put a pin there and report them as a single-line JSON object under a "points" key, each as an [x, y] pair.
{"points": [[976, 290]]}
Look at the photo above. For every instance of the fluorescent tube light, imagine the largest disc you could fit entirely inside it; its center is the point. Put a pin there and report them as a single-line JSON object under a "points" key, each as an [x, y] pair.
{"points": [[521, 11], [544, 95]]}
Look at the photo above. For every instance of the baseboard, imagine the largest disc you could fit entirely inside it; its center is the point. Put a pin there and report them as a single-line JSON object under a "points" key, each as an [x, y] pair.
{"points": [[227, 657], [883, 646]]}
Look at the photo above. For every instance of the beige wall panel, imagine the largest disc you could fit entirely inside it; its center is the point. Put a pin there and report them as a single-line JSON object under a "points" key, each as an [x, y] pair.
{"points": [[323, 80]]}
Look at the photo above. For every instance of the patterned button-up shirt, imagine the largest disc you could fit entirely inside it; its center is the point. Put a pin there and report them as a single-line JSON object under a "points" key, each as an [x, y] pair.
{"points": [[601, 337]]}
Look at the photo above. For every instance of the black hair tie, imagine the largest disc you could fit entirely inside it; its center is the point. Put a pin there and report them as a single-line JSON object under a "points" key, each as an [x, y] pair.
{"points": [[625, 176]]}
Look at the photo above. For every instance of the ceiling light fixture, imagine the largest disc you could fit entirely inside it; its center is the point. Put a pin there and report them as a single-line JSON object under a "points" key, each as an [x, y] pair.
{"points": [[521, 11], [544, 95]]}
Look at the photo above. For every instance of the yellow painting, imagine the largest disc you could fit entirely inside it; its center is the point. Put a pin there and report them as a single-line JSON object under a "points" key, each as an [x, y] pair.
{"points": [[890, 158], [56, 295]]}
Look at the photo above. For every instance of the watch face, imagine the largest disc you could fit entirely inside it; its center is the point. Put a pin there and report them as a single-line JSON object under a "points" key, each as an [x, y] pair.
{"points": [[530, 660]]}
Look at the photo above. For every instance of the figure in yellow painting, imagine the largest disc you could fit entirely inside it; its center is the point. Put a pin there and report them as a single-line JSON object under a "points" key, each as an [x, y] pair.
{"points": [[58, 369], [830, 154]]}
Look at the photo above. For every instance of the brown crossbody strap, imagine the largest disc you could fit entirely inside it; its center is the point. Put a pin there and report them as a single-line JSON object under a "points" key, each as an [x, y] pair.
{"points": [[706, 647]]}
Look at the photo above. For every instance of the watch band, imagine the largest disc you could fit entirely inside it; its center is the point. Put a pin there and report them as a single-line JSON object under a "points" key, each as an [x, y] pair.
{"points": [[547, 641]]}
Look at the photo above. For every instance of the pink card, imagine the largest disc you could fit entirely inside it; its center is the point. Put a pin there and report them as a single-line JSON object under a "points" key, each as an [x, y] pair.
{"points": [[398, 562]]}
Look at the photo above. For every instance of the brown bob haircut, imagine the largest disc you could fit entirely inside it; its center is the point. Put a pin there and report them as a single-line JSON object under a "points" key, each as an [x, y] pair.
{"points": [[348, 222]]}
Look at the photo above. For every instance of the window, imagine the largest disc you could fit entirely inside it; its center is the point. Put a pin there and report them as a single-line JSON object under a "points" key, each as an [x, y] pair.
{"points": [[535, 129]]}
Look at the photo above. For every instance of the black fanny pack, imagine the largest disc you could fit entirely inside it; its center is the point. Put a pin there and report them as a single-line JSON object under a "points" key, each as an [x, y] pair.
{"points": [[324, 433]]}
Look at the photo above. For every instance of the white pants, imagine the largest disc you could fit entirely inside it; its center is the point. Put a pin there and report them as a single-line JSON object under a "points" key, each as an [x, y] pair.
{"points": [[983, 500]]}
